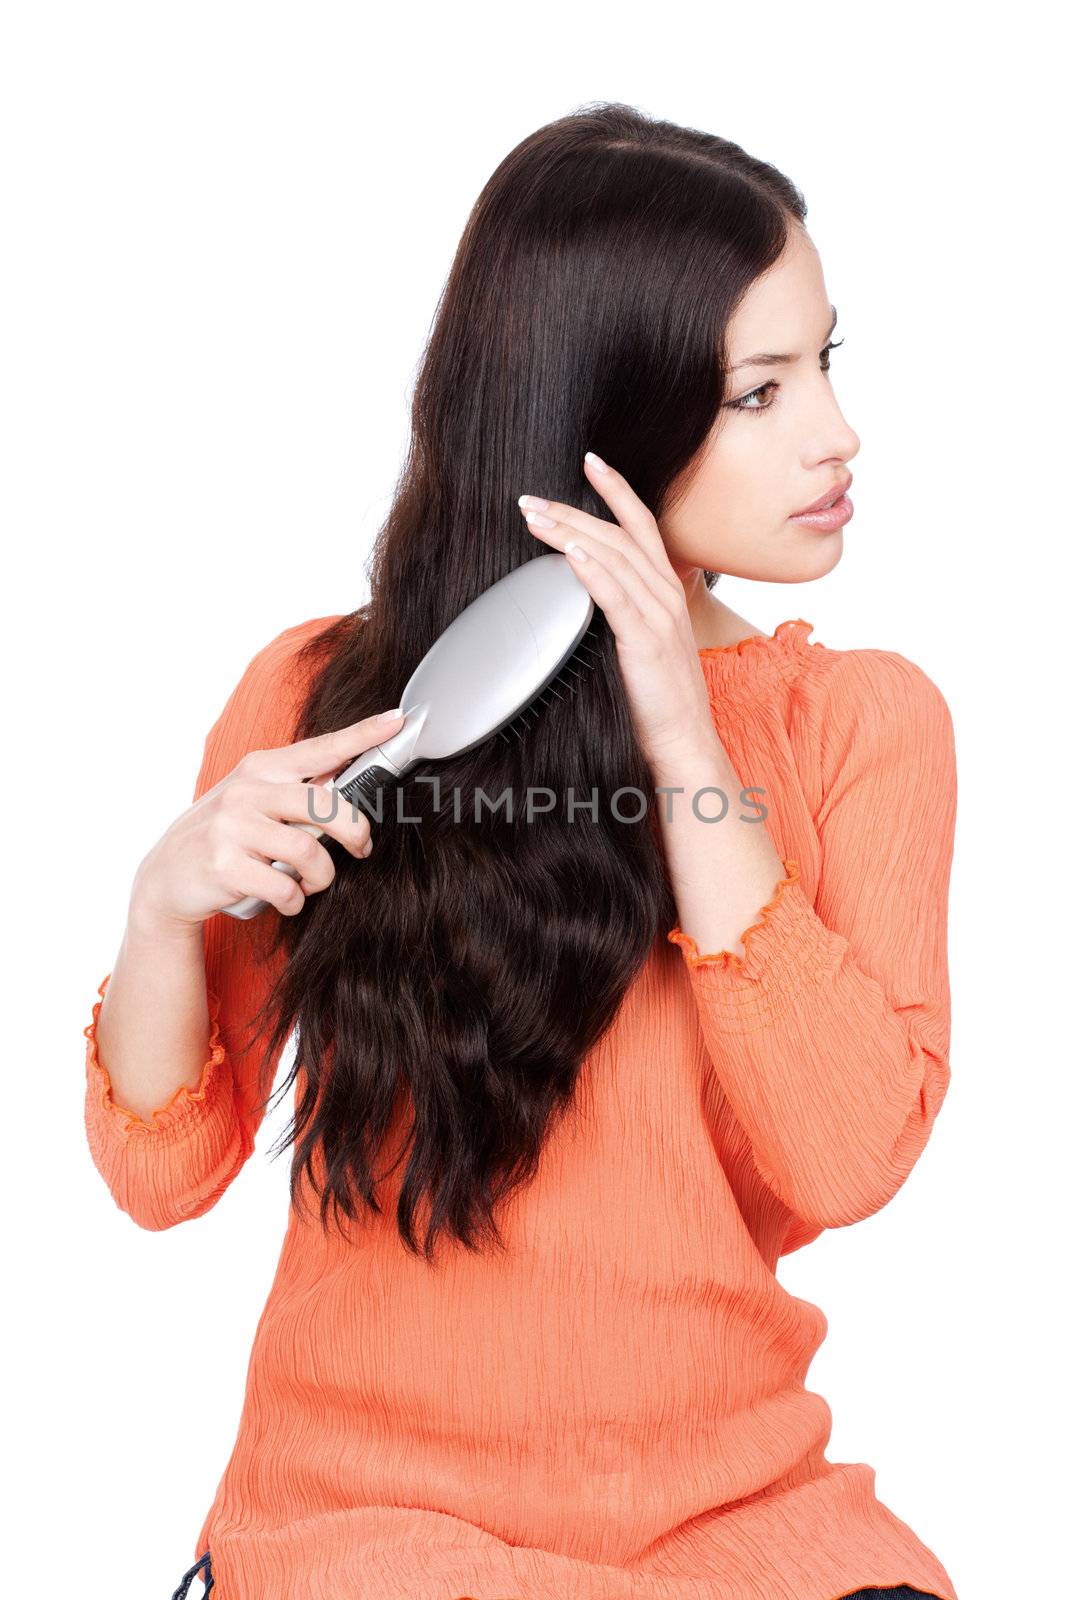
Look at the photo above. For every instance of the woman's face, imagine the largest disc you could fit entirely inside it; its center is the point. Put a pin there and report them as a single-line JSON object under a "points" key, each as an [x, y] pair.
{"points": [[779, 443]]}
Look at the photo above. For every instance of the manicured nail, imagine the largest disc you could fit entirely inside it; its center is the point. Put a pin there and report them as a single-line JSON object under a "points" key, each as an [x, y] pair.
{"points": [[386, 716], [538, 521], [533, 502], [574, 550], [595, 462]]}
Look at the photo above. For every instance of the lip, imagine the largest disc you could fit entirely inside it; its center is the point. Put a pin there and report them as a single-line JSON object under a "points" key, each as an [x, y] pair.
{"points": [[830, 518], [827, 499]]}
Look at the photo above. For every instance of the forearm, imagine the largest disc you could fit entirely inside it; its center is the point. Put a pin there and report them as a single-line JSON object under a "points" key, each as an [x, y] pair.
{"points": [[153, 1029], [722, 872], [829, 1029]]}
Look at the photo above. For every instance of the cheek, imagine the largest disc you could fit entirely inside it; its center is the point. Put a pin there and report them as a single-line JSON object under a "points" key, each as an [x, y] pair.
{"points": [[735, 491], [745, 479]]}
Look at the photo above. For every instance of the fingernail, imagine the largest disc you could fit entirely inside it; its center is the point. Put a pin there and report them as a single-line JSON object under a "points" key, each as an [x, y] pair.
{"points": [[595, 462], [533, 502], [536, 520], [396, 712], [574, 550]]}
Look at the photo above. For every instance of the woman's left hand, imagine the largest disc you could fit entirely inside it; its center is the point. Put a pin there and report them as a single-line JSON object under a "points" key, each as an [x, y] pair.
{"points": [[626, 572]]}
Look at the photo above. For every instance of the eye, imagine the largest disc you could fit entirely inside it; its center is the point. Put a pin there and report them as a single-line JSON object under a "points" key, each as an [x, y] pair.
{"points": [[767, 388]]}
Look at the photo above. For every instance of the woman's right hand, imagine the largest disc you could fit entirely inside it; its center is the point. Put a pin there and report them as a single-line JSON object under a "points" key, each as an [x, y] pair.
{"points": [[221, 849]]}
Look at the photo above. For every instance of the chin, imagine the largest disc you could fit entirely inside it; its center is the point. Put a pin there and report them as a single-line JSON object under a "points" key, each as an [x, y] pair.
{"points": [[813, 556], [794, 566]]}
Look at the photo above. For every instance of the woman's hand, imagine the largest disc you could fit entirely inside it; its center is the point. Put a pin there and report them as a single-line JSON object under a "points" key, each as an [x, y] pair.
{"points": [[221, 849], [627, 573]]}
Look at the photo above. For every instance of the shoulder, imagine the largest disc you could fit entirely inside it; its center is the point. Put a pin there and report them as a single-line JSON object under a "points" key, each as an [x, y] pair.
{"points": [[263, 705], [280, 653], [873, 681], [880, 705]]}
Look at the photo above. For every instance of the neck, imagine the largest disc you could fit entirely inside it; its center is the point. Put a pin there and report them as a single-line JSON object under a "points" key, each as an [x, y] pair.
{"points": [[714, 624]]}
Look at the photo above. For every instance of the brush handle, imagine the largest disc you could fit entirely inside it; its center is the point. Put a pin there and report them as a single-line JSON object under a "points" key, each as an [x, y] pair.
{"points": [[244, 910], [358, 781]]}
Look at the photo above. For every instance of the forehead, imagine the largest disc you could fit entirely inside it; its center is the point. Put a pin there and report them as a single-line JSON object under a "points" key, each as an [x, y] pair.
{"points": [[786, 307]]}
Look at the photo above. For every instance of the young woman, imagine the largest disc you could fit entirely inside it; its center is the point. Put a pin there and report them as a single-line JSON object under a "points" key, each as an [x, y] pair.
{"points": [[569, 1083]]}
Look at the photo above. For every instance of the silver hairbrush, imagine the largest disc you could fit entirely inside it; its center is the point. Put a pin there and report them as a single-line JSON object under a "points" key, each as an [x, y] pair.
{"points": [[513, 648]]}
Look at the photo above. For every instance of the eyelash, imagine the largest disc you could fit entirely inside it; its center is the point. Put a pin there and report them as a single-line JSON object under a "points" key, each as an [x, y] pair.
{"points": [[738, 404]]}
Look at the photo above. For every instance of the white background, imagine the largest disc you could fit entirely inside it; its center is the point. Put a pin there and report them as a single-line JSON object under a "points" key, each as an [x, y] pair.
{"points": [[226, 227]]}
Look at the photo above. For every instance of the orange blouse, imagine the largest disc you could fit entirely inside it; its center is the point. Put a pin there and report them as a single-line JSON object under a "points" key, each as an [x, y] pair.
{"points": [[616, 1410]]}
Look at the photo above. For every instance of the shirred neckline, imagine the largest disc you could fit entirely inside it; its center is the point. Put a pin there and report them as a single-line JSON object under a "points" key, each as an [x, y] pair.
{"points": [[759, 656], [738, 645]]}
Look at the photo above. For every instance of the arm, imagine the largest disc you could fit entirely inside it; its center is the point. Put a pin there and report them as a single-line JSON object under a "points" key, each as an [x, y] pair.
{"points": [[830, 1033], [188, 999]]}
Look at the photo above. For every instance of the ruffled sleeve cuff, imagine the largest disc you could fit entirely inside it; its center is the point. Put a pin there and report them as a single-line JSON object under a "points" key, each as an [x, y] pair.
{"points": [[786, 948], [185, 1105]]}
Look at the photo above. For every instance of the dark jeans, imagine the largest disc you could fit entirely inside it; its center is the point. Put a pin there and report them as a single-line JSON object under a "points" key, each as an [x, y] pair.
{"points": [[203, 1566], [903, 1591]]}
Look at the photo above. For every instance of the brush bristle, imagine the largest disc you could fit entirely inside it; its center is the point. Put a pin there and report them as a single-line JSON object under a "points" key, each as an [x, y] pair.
{"points": [[578, 664]]}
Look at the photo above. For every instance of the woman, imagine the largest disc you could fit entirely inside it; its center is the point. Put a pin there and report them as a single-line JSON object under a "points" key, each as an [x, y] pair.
{"points": [[569, 1083]]}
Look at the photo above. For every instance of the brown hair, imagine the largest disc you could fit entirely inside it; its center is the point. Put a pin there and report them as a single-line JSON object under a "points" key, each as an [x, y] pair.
{"points": [[461, 973]]}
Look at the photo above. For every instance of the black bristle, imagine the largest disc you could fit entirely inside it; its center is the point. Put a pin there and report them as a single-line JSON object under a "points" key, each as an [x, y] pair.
{"points": [[566, 680]]}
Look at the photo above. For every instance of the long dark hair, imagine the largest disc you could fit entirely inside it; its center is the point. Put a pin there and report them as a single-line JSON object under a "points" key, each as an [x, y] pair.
{"points": [[450, 985]]}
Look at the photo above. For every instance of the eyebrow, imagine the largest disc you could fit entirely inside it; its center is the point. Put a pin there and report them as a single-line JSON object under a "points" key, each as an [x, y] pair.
{"points": [[765, 360]]}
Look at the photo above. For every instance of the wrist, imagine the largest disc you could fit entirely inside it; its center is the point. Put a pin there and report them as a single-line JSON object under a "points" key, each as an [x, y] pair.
{"points": [[692, 764], [146, 921]]}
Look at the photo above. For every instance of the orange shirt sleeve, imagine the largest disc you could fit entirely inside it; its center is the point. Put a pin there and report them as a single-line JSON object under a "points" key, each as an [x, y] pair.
{"points": [[176, 1164], [830, 1034]]}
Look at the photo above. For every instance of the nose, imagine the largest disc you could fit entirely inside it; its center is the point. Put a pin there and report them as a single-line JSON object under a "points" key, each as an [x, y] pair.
{"points": [[834, 440], [851, 447]]}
